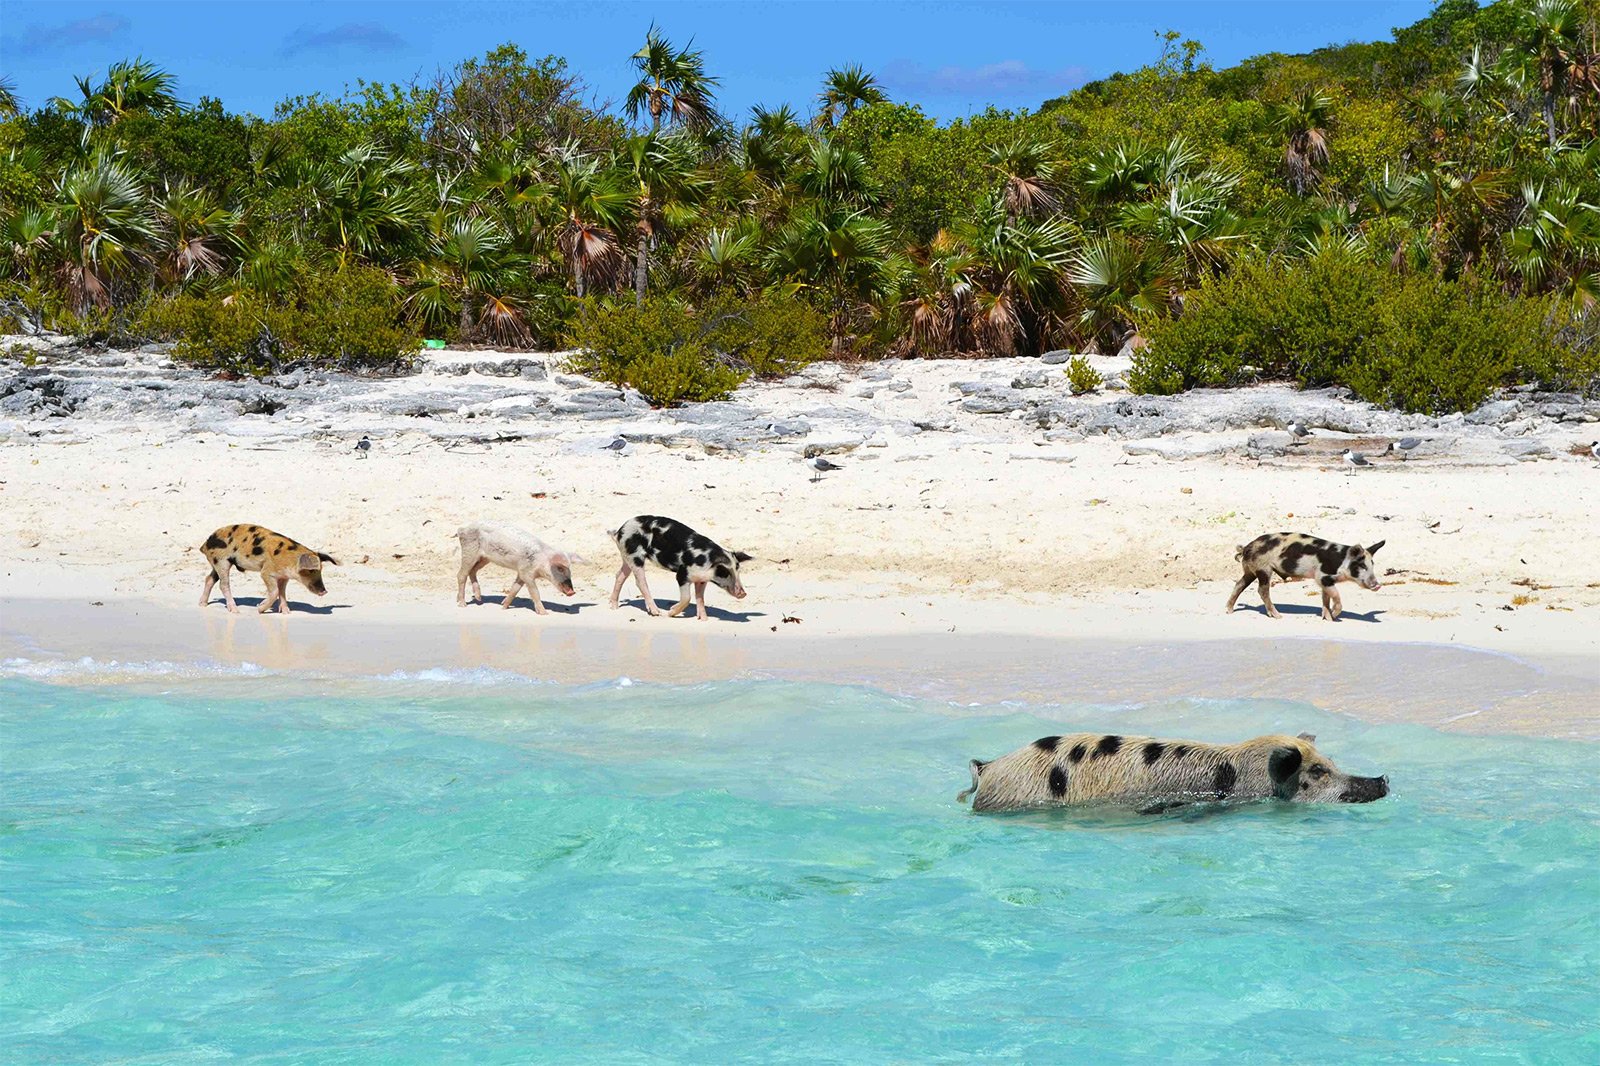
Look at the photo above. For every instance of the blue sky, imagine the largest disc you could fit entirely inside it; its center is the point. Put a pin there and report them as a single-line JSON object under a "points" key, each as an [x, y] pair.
{"points": [[953, 58]]}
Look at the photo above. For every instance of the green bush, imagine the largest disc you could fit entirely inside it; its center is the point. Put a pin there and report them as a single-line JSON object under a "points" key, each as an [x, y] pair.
{"points": [[349, 318], [674, 354], [1419, 343], [1081, 377], [353, 318]]}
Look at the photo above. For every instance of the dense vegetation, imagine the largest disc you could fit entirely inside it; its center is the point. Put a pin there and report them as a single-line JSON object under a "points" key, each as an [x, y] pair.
{"points": [[1417, 218]]}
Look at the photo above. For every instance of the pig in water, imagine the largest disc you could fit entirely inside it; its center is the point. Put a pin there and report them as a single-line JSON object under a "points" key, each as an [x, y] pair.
{"points": [[1296, 557], [1153, 775], [695, 560], [516, 550], [246, 547]]}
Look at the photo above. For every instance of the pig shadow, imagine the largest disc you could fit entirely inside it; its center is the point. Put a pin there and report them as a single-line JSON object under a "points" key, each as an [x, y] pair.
{"points": [[1312, 610], [295, 606], [553, 606], [720, 614]]}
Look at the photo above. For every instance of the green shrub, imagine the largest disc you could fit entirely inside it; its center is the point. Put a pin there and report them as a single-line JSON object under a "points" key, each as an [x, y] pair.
{"points": [[1081, 377], [1419, 343], [353, 318], [345, 318], [674, 354], [1441, 346]]}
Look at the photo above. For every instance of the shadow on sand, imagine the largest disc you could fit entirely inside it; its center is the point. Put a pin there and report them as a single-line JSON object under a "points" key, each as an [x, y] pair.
{"points": [[1312, 610]]}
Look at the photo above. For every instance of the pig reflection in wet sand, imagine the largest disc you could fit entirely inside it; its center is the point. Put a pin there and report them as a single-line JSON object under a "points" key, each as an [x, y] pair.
{"points": [[1151, 775], [276, 557], [518, 551], [693, 558], [1298, 557]]}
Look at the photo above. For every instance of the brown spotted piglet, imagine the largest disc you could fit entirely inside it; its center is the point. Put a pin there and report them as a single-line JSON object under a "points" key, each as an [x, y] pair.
{"points": [[276, 557]]}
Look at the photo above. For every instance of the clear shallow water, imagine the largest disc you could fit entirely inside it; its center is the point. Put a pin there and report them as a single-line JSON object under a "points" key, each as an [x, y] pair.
{"points": [[420, 869]]}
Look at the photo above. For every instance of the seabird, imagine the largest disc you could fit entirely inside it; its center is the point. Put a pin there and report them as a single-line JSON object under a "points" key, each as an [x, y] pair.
{"points": [[821, 465], [1354, 459], [1405, 446], [1299, 432], [1594, 448], [617, 445], [363, 446]]}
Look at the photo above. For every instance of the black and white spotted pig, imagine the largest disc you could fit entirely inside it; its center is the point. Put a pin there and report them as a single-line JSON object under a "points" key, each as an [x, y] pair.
{"points": [[1153, 775], [1299, 557], [671, 545]]}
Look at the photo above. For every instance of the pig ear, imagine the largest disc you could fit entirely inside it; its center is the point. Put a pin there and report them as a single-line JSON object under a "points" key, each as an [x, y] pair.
{"points": [[976, 766], [574, 559], [1309, 738], [741, 557], [1283, 765], [325, 557], [308, 561], [1373, 550]]}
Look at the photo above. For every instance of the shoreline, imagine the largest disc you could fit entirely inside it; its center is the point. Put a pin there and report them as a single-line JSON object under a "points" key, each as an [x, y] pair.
{"points": [[138, 643]]}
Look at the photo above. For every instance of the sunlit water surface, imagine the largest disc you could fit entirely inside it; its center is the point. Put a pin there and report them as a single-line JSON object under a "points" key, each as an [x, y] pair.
{"points": [[427, 869]]}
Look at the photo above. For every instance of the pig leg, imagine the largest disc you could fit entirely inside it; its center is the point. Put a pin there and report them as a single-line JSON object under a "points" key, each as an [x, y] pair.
{"points": [[1237, 589], [683, 595], [271, 596], [700, 600], [533, 591], [283, 595], [227, 591], [469, 572], [511, 593], [205, 593], [1330, 603], [1263, 585], [644, 590], [616, 590]]}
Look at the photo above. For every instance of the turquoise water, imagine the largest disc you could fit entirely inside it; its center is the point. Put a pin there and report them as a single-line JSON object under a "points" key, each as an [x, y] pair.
{"points": [[416, 870]]}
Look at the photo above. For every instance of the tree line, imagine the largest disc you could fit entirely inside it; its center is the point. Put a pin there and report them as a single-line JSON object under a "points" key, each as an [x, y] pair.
{"points": [[495, 203]]}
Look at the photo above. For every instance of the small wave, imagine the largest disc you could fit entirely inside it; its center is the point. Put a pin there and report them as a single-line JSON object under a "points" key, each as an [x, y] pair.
{"points": [[89, 667]]}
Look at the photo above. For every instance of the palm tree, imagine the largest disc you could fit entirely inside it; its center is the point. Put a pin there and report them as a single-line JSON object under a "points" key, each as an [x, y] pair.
{"points": [[468, 277], [197, 229], [1121, 282], [773, 144], [367, 203], [103, 226], [836, 174], [1028, 173], [673, 86], [1304, 122], [10, 106], [843, 90], [840, 251], [129, 87], [728, 257], [664, 176], [1549, 39], [593, 207], [1556, 244]]}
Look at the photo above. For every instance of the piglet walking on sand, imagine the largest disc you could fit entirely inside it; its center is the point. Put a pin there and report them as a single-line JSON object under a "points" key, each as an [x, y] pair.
{"points": [[521, 552], [1298, 557], [275, 557], [671, 545]]}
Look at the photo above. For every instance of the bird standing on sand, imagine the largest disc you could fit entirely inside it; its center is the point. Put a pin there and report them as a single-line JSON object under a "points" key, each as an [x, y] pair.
{"points": [[1353, 459], [1405, 446], [617, 445], [363, 446], [821, 465], [1594, 448], [1298, 432]]}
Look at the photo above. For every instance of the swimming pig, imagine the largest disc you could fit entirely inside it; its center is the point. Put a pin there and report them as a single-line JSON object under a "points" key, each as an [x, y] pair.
{"points": [[524, 553], [1153, 775], [245, 547], [1297, 556], [694, 558]]}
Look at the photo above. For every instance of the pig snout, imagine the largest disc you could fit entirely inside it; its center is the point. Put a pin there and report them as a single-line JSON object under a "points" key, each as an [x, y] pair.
{"points": [[1365, 790]]}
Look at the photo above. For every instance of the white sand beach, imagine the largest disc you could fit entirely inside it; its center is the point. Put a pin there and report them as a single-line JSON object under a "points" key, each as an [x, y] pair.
{"points": [[947, 518]]}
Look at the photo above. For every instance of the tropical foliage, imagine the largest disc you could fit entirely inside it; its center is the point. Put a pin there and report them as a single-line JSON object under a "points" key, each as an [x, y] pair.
{"points": [[493, 204]]}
